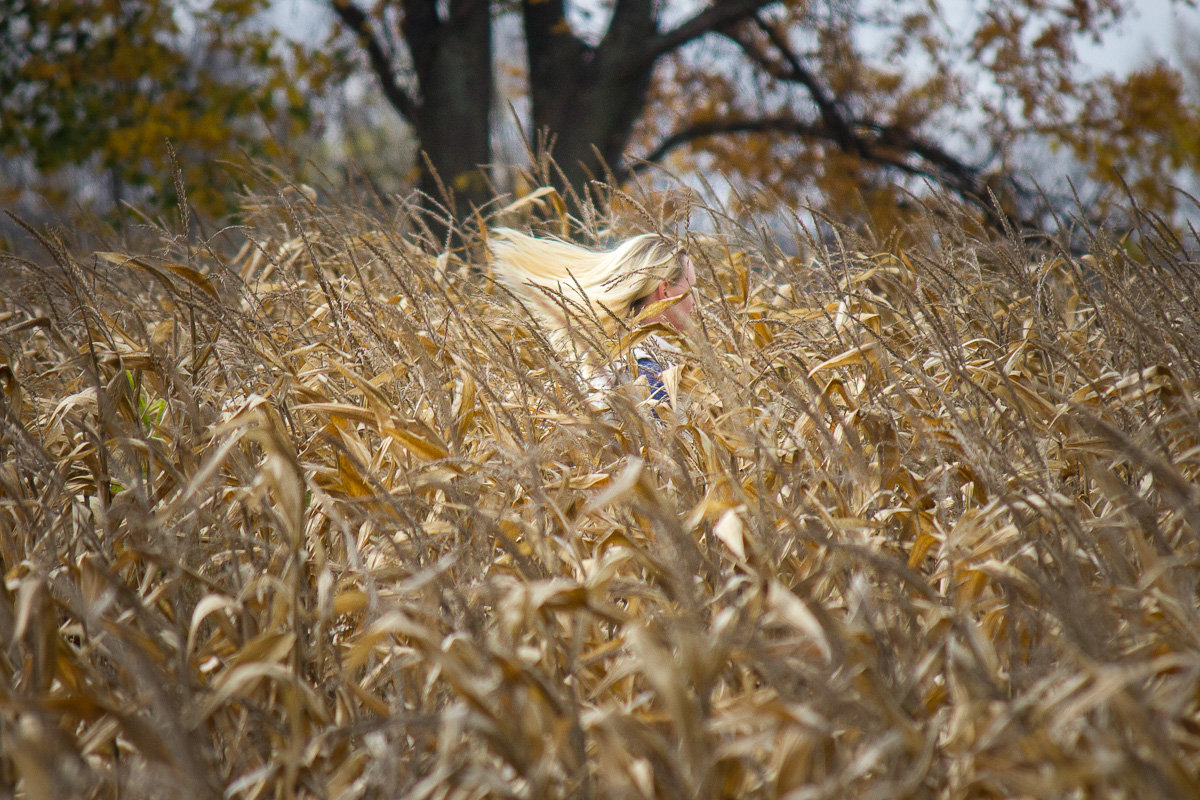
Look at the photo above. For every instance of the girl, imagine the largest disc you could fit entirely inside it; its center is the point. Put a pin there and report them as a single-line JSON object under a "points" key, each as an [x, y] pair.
{"points": [[586, 296]]}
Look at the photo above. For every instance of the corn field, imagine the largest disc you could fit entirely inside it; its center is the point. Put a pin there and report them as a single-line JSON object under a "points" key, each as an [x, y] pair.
{"points": [[311, 508]]}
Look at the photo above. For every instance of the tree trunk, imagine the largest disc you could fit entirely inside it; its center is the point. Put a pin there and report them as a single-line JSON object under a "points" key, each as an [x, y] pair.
{"points": [[587, 98], [453, 62]]}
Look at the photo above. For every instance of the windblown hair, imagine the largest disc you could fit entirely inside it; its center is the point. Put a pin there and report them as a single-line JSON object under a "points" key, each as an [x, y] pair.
{"points": [[566, 285]]}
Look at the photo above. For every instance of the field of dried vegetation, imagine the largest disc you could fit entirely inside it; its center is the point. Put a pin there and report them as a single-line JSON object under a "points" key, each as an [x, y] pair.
{"points": [[308, 508]]}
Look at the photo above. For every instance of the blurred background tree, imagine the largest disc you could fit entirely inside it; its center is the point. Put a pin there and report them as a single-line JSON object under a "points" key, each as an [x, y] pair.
{"points": [[91, 91], [853, 107], [854, 103]]}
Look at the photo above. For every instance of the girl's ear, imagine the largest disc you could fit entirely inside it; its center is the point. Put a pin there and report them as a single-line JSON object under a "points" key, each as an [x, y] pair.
{"points": [[660, 291]]}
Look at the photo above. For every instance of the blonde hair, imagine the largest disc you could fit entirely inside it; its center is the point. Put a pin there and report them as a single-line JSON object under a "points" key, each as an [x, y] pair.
{"points": [[566, 285]]}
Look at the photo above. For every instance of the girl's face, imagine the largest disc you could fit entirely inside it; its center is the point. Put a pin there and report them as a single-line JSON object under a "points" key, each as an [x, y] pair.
{"points": [[679, 315]]}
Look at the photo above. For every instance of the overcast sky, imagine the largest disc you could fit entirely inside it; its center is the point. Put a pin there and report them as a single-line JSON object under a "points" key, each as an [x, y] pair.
{"points": [[1151, 29]]}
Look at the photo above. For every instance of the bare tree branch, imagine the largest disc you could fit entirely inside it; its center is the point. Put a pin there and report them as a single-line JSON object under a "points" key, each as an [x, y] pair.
{"points": [[717, 16], [354, 19], [954, 169], [722, 127], [794, 71], [884, 146]]}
